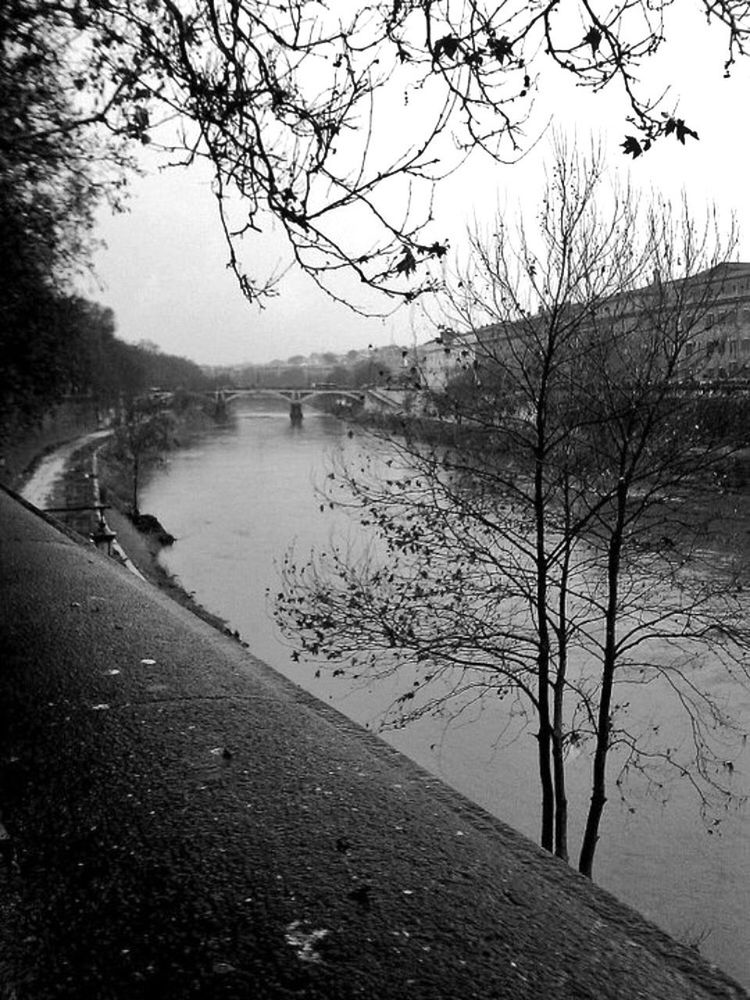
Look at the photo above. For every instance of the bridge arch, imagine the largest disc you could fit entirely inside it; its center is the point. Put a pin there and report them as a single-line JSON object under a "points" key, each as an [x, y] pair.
{"points": [[294, 396]]}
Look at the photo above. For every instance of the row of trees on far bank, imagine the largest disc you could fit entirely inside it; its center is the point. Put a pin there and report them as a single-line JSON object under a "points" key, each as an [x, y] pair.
{"points": [[549, 552], [68, 348], [56, 169]]}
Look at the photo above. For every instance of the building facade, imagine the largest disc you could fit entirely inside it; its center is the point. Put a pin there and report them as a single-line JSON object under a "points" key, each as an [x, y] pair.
{"points": [[720, 345], [444, 358], [707, 317]]}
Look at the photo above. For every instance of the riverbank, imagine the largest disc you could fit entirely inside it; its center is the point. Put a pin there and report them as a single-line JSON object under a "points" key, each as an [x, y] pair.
{"points": [[75, 473], [730, 468], [143, 550], [24, 449]]}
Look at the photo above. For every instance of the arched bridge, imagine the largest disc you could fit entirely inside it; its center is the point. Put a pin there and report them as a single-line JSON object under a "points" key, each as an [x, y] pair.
{"points": [[295, 396]]}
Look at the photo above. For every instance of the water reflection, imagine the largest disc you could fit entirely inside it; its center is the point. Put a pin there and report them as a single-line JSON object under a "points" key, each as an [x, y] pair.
{"points": [[241, 495]]}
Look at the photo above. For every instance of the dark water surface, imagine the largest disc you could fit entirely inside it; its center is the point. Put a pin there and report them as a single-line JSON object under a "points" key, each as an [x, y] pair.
{"points": [[240, 496]]}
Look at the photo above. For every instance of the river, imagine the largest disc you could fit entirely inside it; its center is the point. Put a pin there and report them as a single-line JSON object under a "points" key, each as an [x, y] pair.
{"points": [[238, 497]]}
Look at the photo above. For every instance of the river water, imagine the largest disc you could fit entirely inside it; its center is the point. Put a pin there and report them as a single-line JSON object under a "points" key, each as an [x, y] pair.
{"points": [[243, 493]]}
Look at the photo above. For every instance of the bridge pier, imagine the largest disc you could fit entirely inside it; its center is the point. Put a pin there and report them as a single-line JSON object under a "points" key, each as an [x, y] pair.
{"points": [[220, 405], [295, 411]]}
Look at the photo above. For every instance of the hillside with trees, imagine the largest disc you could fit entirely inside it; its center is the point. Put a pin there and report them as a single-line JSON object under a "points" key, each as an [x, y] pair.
{"points": [[54, 175]]}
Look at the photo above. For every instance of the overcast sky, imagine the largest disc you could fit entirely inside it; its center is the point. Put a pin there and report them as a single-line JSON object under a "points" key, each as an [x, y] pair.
{"points": [[163, 270]]}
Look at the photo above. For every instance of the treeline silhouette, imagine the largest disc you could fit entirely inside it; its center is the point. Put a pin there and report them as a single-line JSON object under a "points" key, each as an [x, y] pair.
{"points": [[62, 346]]}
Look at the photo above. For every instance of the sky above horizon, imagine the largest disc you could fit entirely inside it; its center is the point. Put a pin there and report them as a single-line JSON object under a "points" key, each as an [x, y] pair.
{"points": [[163, 269]]}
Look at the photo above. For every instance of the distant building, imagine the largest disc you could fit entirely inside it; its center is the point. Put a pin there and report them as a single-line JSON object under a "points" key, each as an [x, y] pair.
{"points": [[720, 347], [712, 306], [442, 359]]}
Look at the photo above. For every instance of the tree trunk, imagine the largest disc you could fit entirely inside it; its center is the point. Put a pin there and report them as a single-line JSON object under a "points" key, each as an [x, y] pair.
{"points": [[545, 772], [558, 732], [543, 660], [561, 797], [135, 484], [558, 721], [604, 722]]}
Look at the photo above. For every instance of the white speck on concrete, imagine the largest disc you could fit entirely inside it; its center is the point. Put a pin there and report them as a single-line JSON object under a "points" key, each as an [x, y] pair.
{"points": [[304, 941]]}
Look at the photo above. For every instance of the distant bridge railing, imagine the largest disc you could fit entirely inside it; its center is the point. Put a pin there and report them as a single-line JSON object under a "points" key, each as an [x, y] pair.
{"points": [[293, 394], [289, 393]]}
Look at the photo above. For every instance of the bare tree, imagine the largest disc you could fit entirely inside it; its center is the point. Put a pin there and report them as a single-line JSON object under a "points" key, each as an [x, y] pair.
{"points": [[144, 435], [295, 105], [546, 553]]}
